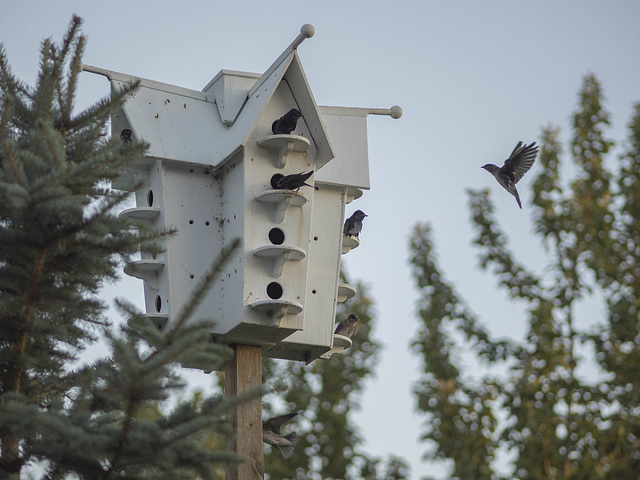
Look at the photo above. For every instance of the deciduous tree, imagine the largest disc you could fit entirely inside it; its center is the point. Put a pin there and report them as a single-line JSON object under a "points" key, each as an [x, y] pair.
{"points": [[555, 422]]}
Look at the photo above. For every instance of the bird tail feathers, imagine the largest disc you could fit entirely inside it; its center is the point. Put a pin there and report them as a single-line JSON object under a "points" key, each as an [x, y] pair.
{"points": [[287, 450], [515, 194]]}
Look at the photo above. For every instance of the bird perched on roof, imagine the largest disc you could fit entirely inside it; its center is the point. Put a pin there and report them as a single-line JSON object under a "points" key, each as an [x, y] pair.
{"points": [[353, 225], [514, 168], [347, 327], [286, 123], [271, 434], [290, 182], [125, 135]]}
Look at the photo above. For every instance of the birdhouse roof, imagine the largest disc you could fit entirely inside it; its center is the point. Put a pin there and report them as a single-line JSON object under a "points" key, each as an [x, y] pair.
{"points": [[208, 127], [240, 99]]}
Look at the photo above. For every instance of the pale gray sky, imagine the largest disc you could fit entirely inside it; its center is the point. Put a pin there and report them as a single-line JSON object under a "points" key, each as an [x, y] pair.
{"points": [[472, 77]]}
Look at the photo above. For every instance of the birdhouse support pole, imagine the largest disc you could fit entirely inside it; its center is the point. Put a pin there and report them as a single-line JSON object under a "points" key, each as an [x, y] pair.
{"points": [[243, 373]]}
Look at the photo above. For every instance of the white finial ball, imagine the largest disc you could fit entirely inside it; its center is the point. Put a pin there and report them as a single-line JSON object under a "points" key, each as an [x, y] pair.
{"points": [[396, 111], [307, 30]]}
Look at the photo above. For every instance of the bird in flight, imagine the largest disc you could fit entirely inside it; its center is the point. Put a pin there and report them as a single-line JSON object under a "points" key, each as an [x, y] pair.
{"points": [[353, 225], [286, 123], [271, 434], [290, 182], [347, 327], [514, 168]]}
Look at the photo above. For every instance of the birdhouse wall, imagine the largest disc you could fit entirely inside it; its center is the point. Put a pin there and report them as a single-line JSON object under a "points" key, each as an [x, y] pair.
{"points": [[348, 135], [323, 273], [157, 287], [179, 124], [228, 291], [149, 200], [191, 199], [263, 230]]}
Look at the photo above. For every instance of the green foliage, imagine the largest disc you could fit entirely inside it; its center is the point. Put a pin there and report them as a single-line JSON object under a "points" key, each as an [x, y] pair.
{"points": [[324, 393], [555, 422], [60, 240]]}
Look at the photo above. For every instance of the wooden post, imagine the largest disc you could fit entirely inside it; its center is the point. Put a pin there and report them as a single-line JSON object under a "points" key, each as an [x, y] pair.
{"points": [[243, 373]]}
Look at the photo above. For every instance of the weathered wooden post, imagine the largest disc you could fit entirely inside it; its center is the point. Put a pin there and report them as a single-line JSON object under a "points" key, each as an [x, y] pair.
{"points": [[243, 373]]}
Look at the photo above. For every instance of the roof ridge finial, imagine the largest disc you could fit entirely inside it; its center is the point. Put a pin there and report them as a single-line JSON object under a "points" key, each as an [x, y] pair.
{"points": [[306, 31]]}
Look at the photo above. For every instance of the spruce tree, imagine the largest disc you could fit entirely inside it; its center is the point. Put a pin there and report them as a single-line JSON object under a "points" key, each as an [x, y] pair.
{"points": [[555, 421], [60, 241]]}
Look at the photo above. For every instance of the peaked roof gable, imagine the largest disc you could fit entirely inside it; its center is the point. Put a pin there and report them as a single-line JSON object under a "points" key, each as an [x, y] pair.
{"points": [[208, 127], [290, 69]]}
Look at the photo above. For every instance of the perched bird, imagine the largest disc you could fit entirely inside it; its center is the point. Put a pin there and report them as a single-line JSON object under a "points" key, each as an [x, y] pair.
{"points": [[518, 163], [353, 225], [290, 182], [271, 434], [286, 123], [125, 135], [347, 327]]}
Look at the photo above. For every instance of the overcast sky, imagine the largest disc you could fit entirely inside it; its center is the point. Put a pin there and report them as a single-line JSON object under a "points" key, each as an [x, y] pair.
{"points": [[472, 77]]}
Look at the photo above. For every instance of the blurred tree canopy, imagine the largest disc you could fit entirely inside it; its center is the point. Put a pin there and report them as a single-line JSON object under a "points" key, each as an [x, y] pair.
{"points": [[554, 422], [324, 393]]}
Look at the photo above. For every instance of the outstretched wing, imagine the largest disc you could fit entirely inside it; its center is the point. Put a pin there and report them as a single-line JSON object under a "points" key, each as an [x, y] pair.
{"points": [[275, 422], [298, 179], [303, 177], [520, 161]]}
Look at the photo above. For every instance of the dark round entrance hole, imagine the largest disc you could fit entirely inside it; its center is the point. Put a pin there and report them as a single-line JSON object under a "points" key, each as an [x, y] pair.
{"points": [[276, 236], [274, 290]]}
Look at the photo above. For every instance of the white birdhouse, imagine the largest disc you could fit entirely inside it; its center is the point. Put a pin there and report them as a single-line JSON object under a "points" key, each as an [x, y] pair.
{"points": [[208, 174]]}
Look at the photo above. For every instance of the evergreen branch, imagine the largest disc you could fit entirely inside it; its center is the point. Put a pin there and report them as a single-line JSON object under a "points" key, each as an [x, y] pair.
{"points": [[28, 310], [6, 113], [14, 167], [42, 97], [74, 72], [8, 83], [57, 153], [126, 428], [103, 109], [72, 37], [170, 353]]}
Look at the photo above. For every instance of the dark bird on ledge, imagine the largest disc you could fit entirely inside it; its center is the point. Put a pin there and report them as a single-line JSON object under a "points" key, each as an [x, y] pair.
{"points": [[514, 168], [125, 135], [271, 434], [290, 182], [286, 123], [353, 225], [347, 327]]}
